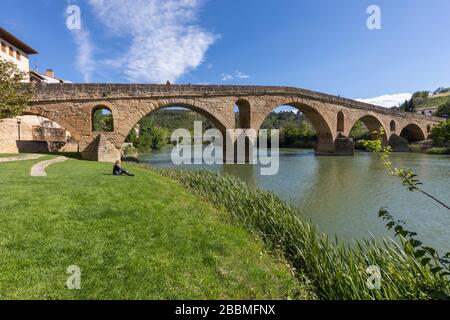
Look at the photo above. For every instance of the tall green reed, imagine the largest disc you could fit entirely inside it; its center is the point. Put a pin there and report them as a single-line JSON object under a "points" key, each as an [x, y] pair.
{"points": [[336, 271]]}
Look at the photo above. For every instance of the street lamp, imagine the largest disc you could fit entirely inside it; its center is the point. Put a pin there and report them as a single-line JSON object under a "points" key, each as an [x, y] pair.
{"points": [[19, 121]]}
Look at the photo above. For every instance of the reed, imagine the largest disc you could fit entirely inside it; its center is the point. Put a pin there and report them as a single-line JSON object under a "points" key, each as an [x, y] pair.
{"points": [[336, 271]]}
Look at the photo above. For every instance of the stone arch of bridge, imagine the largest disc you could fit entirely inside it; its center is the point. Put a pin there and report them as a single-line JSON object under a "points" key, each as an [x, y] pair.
{"points": [[413, 133], [60, 120], [91, 108], [146, 109], [373, 124], [325, 136]]}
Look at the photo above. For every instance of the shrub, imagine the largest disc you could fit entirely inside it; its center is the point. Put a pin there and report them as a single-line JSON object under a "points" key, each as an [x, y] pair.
{"points": [[129, 150], [293, 135], [441, 134], [415, 148], [443, 110], [442, 151], [335, 270]]}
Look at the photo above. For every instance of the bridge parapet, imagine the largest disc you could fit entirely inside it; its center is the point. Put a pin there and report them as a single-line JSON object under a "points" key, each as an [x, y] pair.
{"points": [[90, 92]]}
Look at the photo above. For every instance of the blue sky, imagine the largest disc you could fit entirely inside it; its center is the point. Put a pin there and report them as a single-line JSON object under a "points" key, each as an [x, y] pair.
{"points": [[320, 45]]}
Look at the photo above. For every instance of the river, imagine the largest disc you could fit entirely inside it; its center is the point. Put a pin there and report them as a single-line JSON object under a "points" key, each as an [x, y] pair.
{"points": [[342, 195]]}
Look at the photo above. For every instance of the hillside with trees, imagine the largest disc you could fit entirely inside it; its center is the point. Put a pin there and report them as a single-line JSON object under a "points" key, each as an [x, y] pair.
{"points": [[440, 99]]}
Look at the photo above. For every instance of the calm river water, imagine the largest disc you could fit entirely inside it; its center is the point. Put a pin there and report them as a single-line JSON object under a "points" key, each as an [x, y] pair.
{"points": [[342, 195]]}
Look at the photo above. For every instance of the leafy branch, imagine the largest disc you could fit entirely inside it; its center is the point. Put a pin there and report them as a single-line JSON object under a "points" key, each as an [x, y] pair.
{"points": [[440, 265], [409, 179], [426, 255]]}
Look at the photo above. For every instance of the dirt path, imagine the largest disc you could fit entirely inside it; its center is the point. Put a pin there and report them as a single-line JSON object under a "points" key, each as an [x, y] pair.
{"points": [[38, 170], [21, 158]]}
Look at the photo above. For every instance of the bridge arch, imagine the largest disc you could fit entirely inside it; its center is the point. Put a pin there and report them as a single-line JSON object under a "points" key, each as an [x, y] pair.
{"points": [[373, 124], [244, 114], [325, 136], [393, 126], [102, 111], [57, 118], [154, 106], [53, 129], [413, 133], [340, 122]]}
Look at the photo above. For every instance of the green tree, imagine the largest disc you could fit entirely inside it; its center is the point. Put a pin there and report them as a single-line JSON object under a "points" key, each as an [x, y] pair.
{"points": [[13, 100], [103, 121], [421, 95], [360, 131], [410, 106], [441, 135], [443, 110], [151, 137]]}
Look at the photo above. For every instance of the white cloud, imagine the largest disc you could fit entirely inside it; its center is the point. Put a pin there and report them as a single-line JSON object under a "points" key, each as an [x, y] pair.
{"points": [[241, 75], [226, 77], [85, 60], [388, 101], [236, 75], [164, 44]]}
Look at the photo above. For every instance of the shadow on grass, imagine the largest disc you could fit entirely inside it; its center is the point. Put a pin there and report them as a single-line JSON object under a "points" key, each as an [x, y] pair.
{"points": [[70, 155]]}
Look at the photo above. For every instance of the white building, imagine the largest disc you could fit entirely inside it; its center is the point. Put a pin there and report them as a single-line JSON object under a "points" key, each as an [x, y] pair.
{"points": [[14, 50], [48, 77], [427, 111], [29, 133]]}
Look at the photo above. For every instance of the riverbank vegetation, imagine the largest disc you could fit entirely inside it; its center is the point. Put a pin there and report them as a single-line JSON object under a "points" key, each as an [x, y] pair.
{"points": [[133, 238], [440, 135], [439, 142], [295, 130], [335, 271]]}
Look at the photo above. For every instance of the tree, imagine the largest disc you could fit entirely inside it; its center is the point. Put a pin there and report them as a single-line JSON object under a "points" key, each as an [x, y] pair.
{"points": [[443, 110], [441, 134], [421, 95], [410, 106], [151, 137], [13, 99], [103, 121]]}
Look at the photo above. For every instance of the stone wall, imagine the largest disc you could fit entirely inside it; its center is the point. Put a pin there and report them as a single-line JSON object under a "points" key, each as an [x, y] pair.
{"points": [[34, 135]]}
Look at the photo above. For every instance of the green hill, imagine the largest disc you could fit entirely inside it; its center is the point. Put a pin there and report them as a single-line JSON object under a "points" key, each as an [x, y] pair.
{"points": [[432, 101]]}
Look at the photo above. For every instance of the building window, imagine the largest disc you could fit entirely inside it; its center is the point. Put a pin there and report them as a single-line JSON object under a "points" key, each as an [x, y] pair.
{"points": [[18, 56], [11, 51], [3, 47]]}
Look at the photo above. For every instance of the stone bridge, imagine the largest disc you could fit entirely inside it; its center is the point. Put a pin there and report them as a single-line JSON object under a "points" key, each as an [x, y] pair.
{"points": [[72, 106]]}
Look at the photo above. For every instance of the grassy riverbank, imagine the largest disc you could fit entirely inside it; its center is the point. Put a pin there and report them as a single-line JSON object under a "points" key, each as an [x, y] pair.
{"points": [[335, 271], [133, 238]]}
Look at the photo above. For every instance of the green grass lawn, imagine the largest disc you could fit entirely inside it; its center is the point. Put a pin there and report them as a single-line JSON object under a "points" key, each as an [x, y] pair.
{"points": [[133, 238], [7, 155]]}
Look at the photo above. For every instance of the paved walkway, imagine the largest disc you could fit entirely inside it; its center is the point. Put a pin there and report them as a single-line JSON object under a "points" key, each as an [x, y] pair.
{"points": [[21, 158], [38, 170]]}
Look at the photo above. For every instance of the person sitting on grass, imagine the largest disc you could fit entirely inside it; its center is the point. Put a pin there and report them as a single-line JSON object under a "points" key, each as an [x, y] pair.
{"points": [[119, 171]]}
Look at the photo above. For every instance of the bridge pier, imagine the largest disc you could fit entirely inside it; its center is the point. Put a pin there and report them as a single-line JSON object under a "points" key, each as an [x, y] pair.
{"points": [[398, 144], [344, 146], [101, 150]]}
